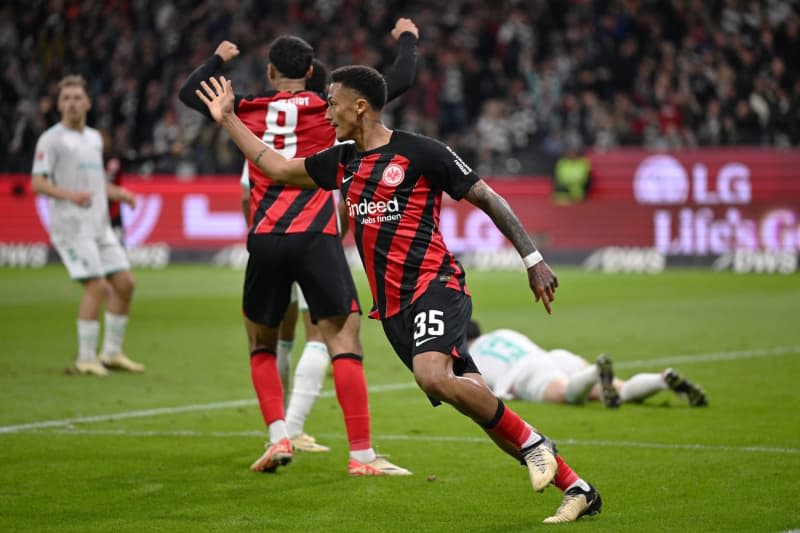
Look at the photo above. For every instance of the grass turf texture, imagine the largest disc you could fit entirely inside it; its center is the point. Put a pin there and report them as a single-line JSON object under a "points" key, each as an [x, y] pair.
{"points": [[660, 466]]}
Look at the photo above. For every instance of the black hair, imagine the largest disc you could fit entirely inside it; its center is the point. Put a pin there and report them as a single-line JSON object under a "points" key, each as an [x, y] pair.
{"points": [[366, 81], [291, 56], [319, 77], [473, 330]]}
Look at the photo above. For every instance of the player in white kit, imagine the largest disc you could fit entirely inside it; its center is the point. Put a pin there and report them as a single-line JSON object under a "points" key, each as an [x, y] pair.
{"points": [[515, 367], [68, 168]]}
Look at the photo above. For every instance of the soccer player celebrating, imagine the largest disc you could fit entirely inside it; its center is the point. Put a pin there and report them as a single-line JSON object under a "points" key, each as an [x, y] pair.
{"points": [[392, 183], [293, 236], [68, 167]]}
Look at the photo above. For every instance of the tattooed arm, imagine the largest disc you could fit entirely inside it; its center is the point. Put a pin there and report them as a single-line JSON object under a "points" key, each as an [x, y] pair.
{"points": [[542, 280]]}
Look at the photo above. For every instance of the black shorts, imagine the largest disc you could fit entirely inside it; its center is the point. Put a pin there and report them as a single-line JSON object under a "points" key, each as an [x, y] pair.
{"points": [[315, 261], [435, 322]]}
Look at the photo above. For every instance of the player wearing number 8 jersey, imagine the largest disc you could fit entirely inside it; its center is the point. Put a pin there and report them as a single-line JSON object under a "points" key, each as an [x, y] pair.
{"points": [[393, 182], [293, 237]]}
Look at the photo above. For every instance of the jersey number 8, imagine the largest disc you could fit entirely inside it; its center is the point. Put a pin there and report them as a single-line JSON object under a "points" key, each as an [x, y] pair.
{"points": [[281, 124]]}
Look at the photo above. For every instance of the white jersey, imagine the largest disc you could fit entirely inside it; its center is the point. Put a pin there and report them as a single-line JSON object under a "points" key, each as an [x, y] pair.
{"points": [[73, 160], [496, 352], [513, 366]]}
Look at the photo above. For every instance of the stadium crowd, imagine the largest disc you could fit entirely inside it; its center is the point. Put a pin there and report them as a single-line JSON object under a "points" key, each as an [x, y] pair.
{"points": [[503, 82]]}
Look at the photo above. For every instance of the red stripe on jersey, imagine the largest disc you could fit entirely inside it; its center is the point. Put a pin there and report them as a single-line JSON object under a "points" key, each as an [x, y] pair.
{"points": [[294, 124], [403, 239], [367, 241], [316, 204], [436, 251], [278, 208]]}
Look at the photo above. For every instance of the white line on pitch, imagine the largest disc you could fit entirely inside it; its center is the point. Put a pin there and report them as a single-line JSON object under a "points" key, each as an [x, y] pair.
{"points": [[755, 353], [433, 438], [169, 411], [672, 360]]}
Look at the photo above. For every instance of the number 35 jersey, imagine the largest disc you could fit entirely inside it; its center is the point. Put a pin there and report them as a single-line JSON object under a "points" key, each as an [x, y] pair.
{"points": [[293, 124]]}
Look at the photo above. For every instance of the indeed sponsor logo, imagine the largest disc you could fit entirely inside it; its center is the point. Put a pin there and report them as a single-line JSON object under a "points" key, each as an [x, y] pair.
{"points": [[372, 211]]}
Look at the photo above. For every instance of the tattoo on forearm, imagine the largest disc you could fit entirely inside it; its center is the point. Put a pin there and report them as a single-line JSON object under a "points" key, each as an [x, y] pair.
{"points": [[494, 205], [258, 157]]}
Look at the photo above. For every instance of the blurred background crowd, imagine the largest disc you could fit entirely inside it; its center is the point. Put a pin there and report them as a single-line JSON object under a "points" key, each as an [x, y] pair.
{"points": [[511, 85]]}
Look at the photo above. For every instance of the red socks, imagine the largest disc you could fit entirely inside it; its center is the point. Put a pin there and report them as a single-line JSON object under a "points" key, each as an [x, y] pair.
{"points": [[507, 425], [267, 383], [565, 475], [351, 391]]}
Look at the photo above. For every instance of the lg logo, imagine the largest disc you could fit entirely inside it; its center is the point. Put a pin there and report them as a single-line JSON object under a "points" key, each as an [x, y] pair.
{"points": [[662, 179]]}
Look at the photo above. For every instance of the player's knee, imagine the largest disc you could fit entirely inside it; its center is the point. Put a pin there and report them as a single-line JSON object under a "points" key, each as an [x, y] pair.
{"points": [[98, 288], [434, 382], [123, 284]]}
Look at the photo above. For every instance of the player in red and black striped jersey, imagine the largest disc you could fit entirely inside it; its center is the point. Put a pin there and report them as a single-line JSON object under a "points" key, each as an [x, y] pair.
{"points": [[393, 182], [293, 237]]}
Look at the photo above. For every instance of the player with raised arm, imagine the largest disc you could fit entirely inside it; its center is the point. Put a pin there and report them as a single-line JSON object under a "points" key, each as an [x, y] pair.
{"points": [[293, 237], [392, 183], [515, 367], [68, 168]]}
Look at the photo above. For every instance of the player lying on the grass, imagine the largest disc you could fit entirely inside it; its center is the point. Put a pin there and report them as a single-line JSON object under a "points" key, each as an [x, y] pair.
{"points": [[392, 183], [515, 367]]}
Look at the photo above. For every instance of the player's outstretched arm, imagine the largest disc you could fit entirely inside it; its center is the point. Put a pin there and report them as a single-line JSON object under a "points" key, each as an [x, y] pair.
{"points": [[217, 95], [226, 50], [400, 75], [542, 280]]}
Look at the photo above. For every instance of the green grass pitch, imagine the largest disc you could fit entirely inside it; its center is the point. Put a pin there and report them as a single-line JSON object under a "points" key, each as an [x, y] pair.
{"points": [[169, 450]]}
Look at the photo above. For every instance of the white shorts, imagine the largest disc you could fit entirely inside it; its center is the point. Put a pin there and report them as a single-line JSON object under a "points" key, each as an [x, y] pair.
{"points": [[531, 375], [297, 296], [567, 362], [87, 258]]}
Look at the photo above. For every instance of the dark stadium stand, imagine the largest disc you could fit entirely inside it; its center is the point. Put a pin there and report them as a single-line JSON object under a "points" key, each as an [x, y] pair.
{"points": [[509, 87]]}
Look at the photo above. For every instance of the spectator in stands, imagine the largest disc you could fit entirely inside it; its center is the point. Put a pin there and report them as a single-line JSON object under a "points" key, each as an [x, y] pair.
{"points": [[665, 63], [572, 174]]}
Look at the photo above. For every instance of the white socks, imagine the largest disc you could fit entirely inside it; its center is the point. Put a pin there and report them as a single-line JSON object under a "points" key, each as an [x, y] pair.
{"points": [[115, 327], [277, 431], [532, 439], [284, 355], [88, 332], [363, 456], [580, 483], [580, 385], [641, 386], [308, 378]]}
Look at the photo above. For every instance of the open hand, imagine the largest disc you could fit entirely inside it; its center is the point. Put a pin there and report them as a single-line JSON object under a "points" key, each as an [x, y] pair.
{"points": [[218, 97], [543, 283]]}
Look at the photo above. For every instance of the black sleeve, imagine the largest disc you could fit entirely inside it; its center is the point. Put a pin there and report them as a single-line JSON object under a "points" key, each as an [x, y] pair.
{"points": [[325, 167], [210, 68], [402, 72], [446, 169]]}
